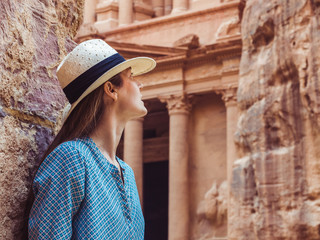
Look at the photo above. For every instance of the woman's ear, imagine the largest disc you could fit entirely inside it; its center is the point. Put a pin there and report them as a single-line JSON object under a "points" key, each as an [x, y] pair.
{"points": [[110, 90]]}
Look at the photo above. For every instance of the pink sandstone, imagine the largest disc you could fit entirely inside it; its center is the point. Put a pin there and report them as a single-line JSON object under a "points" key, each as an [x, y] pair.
{"points": [[275, 191], [35, 35], [275, 181]]}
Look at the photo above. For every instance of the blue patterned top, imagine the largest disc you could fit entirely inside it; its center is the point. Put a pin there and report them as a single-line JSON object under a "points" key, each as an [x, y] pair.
{"points": [[80, 195]]}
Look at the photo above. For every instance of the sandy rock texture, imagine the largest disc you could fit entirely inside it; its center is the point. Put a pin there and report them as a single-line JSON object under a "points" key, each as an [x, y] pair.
{"points": [[212, 212], [34, 37], [275, 192]]}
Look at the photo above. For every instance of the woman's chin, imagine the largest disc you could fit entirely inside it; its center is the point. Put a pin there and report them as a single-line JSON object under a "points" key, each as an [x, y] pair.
{"points": [[144, 111], [140, 113]]}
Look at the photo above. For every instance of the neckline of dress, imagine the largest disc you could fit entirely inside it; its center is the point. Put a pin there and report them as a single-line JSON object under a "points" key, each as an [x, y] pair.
{"points": [[100, 153]]}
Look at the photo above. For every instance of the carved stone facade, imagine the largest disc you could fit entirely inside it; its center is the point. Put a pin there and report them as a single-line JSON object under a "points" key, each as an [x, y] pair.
{"points": [[189, 127], [229, 148]]}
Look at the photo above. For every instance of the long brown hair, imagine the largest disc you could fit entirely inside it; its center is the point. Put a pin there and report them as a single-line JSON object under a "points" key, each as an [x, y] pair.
{"points": [[80, 123]]}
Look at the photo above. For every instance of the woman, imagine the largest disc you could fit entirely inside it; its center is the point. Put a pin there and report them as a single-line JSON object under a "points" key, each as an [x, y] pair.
{"points": [[82, 190]]}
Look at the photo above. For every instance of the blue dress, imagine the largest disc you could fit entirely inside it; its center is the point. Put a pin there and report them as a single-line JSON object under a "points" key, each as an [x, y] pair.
{"points": [[80, 195]]}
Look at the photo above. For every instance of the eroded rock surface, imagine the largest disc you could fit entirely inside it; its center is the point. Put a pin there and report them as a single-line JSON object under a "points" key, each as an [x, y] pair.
{"points": [[275, 189], [34, 37], [212, 212]]}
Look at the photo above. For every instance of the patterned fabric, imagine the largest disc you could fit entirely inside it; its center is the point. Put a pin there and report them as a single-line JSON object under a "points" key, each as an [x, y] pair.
{"points": [[80, 195]]}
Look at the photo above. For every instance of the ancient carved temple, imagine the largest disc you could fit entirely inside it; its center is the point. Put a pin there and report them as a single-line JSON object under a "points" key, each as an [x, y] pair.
{"points": [[230, 146], [182, 150]]}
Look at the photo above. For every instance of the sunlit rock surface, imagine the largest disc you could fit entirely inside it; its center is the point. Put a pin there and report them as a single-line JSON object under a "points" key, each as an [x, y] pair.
{"points": [[34, 37], [275, 189]]}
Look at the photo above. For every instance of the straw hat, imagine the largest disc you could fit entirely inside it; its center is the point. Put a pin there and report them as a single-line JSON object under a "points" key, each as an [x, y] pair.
{"points": [[91, 64]]}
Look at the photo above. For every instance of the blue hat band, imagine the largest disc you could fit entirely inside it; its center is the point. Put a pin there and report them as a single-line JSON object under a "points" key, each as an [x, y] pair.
{"points": [[79, 85]]}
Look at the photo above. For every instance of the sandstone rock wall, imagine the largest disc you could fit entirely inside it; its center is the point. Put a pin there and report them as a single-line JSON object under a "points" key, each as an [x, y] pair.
{"points": [[275, 192], [212, 212], [34, 36]]}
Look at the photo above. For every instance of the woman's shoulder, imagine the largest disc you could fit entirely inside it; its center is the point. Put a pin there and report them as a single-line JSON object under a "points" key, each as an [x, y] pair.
{"points": [[74, 150], [65, 158], [76, 145]]}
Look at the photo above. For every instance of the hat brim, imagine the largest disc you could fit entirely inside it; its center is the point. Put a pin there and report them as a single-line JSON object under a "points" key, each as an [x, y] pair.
{"points": [[138, 65]]}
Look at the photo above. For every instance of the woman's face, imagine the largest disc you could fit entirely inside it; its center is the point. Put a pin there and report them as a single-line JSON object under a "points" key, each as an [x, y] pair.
{"points": [[129, 97]]}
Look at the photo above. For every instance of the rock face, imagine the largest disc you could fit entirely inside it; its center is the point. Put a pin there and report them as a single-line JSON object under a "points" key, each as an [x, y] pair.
{"points": [[275, 191], [34, 37], [212, 212]]}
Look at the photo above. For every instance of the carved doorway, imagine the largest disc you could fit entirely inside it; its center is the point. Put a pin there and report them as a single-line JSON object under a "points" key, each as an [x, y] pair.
{"points": [[155, 196], [156, 170]]}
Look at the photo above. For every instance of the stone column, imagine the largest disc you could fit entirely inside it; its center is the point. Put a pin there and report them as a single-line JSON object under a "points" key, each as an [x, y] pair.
{"points": [[142, 10], [125, 12], [158, 7], [229, 96], [178, 108], [133, 151], [89, 11], [179, 6], [107, 15], [167, 7], [89, 18]]}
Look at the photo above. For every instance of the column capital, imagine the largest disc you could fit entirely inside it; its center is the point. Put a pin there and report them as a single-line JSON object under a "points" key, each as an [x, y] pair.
{"points": [[125, 12], [177, 104], [229, 95]]}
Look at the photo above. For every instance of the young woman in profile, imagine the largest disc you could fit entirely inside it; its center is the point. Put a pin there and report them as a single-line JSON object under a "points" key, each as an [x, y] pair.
{"points": [[82, 190]]}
